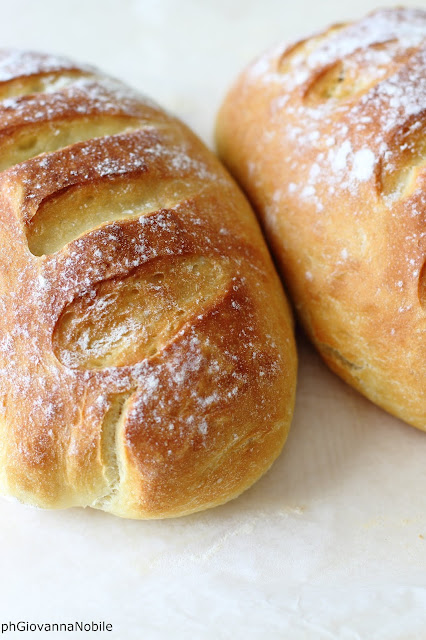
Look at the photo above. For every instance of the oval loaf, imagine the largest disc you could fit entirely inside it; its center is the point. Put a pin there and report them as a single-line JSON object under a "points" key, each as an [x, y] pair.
{"points": [[327, 137], [147, 356]]}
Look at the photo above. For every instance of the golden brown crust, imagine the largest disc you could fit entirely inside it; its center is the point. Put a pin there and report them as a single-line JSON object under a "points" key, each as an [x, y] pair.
{"points": [[327, 138], [139, 371]]}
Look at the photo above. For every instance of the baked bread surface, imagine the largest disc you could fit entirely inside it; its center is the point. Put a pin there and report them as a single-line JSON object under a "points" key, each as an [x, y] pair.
{"points": [[327, 137], [147, 355]]}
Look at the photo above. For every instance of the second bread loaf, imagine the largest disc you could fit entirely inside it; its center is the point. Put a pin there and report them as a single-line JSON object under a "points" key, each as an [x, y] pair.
{"points": [[327, 136]]}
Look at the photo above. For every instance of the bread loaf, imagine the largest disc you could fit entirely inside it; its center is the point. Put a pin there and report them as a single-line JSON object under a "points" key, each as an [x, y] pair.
{"points": [[147, 355], [327, 136]]}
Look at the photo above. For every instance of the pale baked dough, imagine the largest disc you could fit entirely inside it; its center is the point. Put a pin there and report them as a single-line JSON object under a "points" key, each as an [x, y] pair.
{"points": [[147, 356], [327, 137]]}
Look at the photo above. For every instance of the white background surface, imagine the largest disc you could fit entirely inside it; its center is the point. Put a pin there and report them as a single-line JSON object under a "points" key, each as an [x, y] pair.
{"points": [[331, 543]]}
